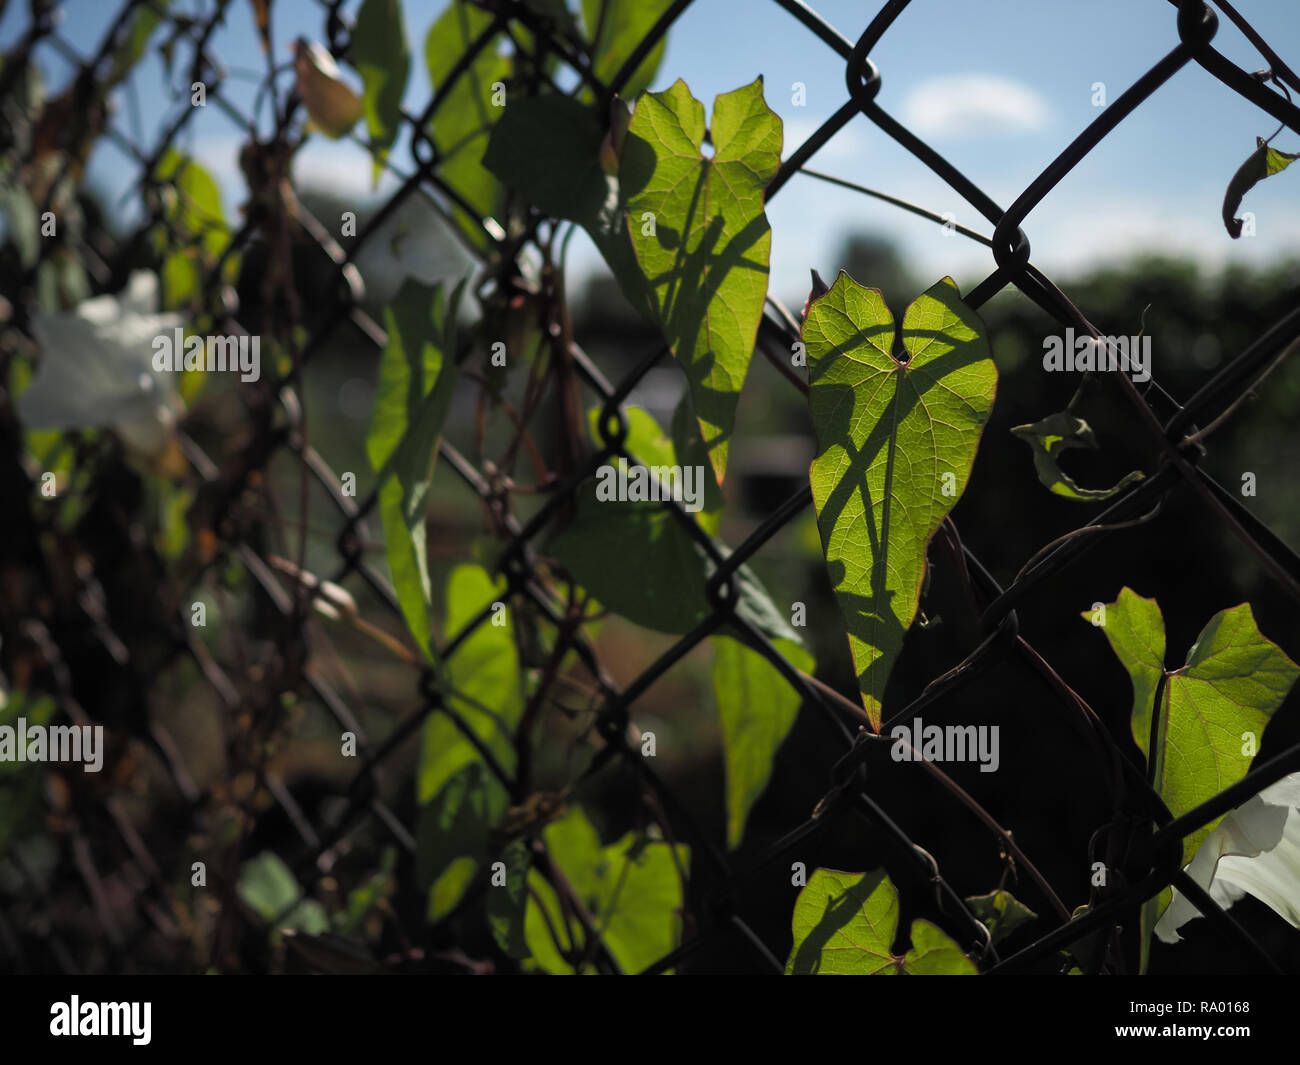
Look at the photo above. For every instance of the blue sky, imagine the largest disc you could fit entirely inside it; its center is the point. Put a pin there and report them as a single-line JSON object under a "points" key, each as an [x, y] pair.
{"points": [[997, 86]]}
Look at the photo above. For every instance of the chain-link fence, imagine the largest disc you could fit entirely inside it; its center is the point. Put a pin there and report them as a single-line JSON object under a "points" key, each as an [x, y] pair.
{"points": [[103, 854]]}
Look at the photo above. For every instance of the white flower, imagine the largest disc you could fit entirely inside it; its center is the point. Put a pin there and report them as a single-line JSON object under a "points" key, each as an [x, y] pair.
{"points": [[412, 242], [334, 601], [1255, 850], [96, 369]]}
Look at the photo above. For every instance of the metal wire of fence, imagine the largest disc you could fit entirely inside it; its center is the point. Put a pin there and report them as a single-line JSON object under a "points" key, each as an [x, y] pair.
{"points": [[716, 882]]}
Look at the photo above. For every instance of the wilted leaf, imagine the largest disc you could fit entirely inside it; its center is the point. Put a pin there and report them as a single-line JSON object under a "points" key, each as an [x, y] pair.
{"points": [[332, 106], [1263, 162], [1056, 433]]}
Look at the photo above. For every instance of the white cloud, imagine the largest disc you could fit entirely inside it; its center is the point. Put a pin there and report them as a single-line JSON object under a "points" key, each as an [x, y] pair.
{"points": [[1071, 234], [850, 143], [973, 105], [412, 242]]}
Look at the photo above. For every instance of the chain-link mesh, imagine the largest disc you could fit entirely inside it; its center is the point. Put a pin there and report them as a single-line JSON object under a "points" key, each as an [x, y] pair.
{"points": [[99, 842]]}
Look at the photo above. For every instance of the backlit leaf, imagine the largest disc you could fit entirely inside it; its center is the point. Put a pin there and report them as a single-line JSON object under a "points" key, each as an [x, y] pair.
{"points": [[482, 678], [466, 113], [757, 706], [701, 237], [647, 442], [383, 58], [615, 29], [1231, 684], [416, 380], [895, 445], [1233, 681], [845, 924], [631, 889], [461, 799]]}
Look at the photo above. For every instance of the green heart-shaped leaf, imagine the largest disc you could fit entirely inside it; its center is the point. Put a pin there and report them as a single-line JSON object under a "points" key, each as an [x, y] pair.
{"points": [[701, 237], [1212, 710], [632, 889], [667, 594], [895, 445], [845, 924]]}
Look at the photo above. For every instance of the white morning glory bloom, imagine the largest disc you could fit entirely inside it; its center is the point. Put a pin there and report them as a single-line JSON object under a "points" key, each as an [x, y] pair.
{"points": [[96, 369], [412, 242], [1255, 850]]}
